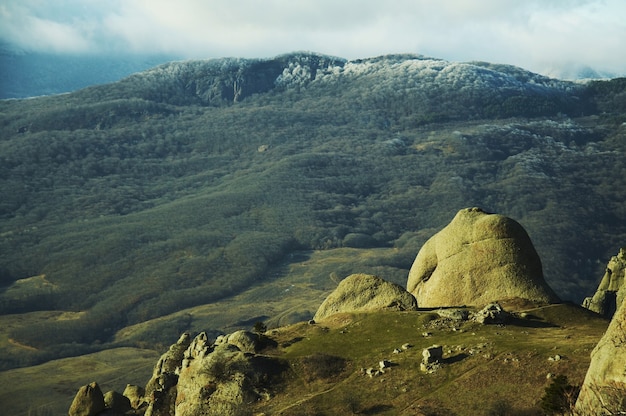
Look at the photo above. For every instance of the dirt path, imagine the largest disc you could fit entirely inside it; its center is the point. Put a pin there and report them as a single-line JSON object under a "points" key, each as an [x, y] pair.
{"points": [[20, 345]]}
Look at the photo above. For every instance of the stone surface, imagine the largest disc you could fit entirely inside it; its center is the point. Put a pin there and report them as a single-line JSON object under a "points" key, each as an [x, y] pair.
{"points": [[246, 341], [161, 389], [604, 389], [116, 403], [364, 292], [135, 395], [491, 314], [611, 291], [476, 259], [89, 401], [432, 354]]}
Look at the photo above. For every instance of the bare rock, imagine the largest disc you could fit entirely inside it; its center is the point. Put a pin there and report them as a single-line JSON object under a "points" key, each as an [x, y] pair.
{"points": [[246, 341], [476, 259], [161, 389], [116, 403], [604, 388], [135, 395], [611, 290], [364, 292], [491, 314], [89, 401]]}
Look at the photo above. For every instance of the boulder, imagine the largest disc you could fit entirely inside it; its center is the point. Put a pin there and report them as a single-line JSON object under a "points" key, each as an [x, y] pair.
{"points": [[135, 395], [246, 341], [604, 390], [432, 354], [491, 314], [476, 259], [611, 291], [364, 292], [116, 403], [89, 401]]}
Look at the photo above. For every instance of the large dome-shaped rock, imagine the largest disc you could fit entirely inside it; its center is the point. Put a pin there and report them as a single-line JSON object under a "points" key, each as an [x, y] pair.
{"points": [[611, 291], [604, 388], [476, 259], [364, 292]]}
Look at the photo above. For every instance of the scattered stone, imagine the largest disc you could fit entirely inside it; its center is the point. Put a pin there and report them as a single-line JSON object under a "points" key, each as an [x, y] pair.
{"points": [[384, 364], [491, 314], [426, 334], [476, 259], [455, 314], [431, 358], [406, 346]]}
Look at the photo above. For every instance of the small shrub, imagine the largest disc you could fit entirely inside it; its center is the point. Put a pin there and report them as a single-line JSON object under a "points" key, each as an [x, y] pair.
{"points": [[559, 397], [322, 366]]}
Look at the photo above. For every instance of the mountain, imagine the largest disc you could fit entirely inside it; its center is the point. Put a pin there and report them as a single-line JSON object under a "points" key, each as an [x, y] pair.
{"points": [[30, 74], [210, 195]]}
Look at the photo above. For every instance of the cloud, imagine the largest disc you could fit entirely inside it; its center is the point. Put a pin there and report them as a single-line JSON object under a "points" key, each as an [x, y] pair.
{"points": [[535, 34]]}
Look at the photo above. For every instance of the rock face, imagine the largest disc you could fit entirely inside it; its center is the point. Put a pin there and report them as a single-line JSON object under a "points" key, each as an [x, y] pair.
{"points": [[611, 291], [476, 259], [604, 390], [363, 292]]}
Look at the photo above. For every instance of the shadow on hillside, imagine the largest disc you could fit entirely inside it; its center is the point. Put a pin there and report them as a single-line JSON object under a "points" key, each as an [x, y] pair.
{"points": [[376, 409], [530, 322], [291, 342], [454, 358]]}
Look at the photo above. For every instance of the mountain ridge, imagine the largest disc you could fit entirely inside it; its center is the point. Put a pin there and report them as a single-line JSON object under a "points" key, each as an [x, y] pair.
{"points": [[143, 209]]}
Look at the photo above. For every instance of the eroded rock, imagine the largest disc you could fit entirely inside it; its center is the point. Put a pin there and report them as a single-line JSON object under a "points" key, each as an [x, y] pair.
{"points": [[611, 291], [364, 292], [89, 401], [604, 388], [476, 259]]}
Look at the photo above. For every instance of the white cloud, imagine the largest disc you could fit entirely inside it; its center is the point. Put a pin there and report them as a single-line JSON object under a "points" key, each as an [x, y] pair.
{"points": [[535, 34]]}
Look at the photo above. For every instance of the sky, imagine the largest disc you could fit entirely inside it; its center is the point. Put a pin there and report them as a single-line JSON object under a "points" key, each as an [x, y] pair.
{"points": [[540, 35]]}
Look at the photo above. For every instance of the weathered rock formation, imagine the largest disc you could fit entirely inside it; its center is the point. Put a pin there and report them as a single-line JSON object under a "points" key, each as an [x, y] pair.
{"points": [[364, 292], [611, 291], [194, 377], [89, 401], [604, 390], [476, 259]]}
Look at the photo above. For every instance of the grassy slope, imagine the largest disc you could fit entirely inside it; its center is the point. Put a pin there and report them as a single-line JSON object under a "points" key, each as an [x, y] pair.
{"points": [[48, 389], [485, 366]]}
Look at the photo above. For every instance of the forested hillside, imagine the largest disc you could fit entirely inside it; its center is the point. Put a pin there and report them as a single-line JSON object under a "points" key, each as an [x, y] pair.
{"points": [[191, 182]]}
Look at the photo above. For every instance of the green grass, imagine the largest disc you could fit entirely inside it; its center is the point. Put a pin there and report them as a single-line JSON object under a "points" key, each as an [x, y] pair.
{"points": [[484, 366]]}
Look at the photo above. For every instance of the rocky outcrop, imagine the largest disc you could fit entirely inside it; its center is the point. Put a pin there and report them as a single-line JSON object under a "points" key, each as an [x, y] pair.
{"points": [[89, 401], [611, 291], [604, 390], [363, 292], [194, 377], [476, 259]]}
